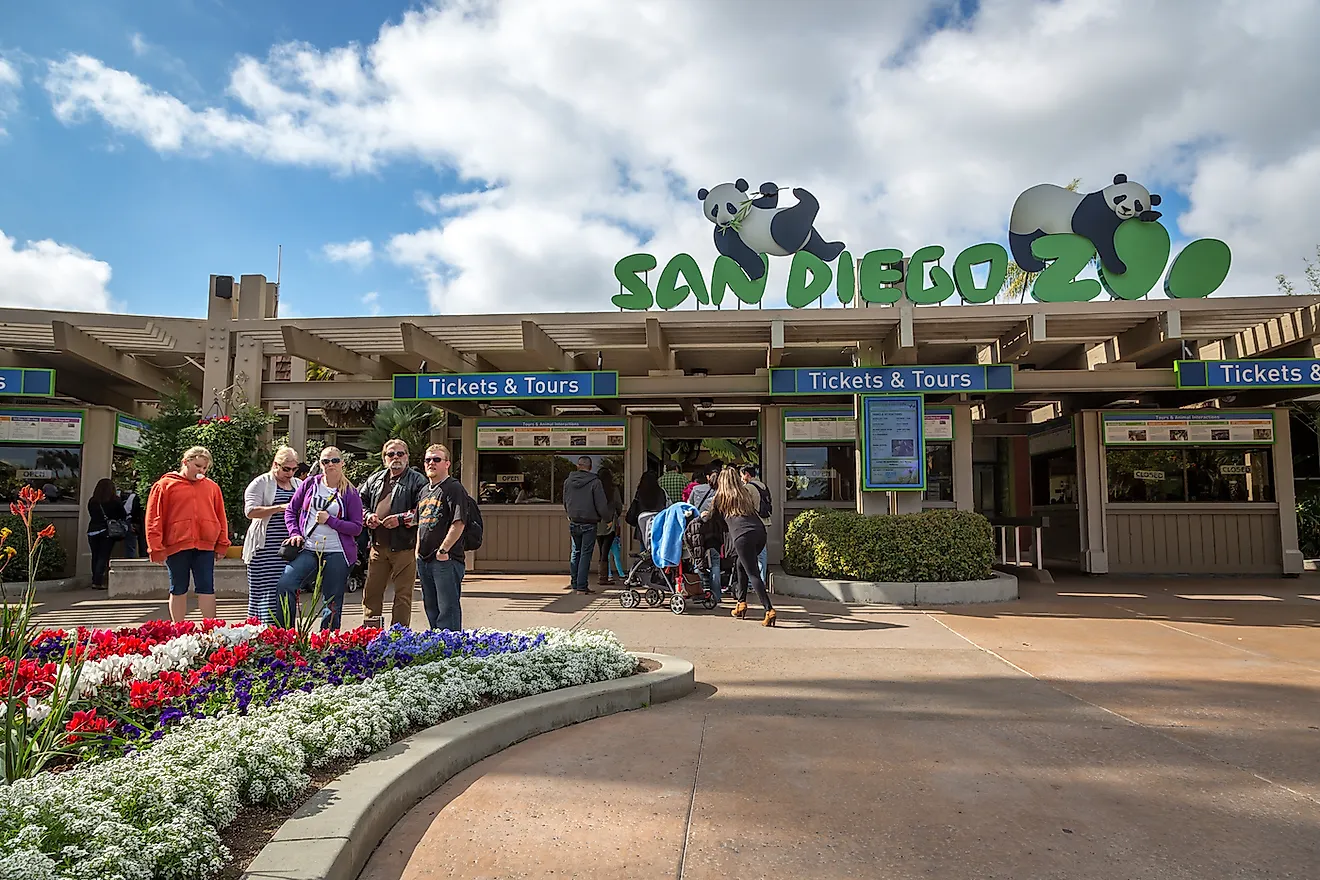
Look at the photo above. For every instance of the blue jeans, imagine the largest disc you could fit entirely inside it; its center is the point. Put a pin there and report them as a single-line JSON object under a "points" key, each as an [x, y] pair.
{"points": [[765, 569], [200, 564], [579, 558], [131, 543], [442, 592], [334, 580], [713, 559]]}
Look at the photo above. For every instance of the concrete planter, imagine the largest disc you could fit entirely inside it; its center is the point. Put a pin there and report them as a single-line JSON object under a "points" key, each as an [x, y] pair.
{"points": [[999, 588], [331, 836], [144, 579]]}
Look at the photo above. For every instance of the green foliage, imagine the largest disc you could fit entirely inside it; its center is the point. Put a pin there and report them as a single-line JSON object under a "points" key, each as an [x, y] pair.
{"points": [[162, 443], [1308, 521], [356, 467], [50, 555], [1312, 273], [411, 422], [936, 545]]}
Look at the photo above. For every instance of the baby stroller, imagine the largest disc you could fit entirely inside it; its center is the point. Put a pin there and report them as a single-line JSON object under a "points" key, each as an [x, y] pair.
{"points": [[675, 583]]}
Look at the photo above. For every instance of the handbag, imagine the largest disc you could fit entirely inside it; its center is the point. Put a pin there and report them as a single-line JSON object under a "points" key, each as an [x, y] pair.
{"points": [[289, 552], [116, 529]]}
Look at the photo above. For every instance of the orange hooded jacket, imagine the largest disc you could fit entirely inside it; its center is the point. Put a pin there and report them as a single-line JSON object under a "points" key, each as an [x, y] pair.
{"points": [[184, 514]]}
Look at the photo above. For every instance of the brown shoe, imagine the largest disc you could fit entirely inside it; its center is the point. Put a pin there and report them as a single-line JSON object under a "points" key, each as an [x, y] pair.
{"points": [[740, 610], [769, 618]]}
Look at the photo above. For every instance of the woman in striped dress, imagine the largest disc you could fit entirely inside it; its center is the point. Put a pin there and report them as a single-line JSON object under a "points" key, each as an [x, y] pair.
{"points": [[264, 502]]}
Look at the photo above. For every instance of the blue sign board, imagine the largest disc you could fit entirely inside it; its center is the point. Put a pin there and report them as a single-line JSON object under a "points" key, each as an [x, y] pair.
{"points": [[23, 382], [893, 443], [890, 380], [505, 386], [1269, 373]]}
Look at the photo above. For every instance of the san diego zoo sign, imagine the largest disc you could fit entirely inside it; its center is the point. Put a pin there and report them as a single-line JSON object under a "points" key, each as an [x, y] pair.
{"points": [[1053, 231]]}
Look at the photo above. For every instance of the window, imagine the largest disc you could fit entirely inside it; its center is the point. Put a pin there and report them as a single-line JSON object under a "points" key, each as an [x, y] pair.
{"points": [[56, 470], [1196, 474], [820, 473], [1054, 478], [939, 472], [509, 478]]}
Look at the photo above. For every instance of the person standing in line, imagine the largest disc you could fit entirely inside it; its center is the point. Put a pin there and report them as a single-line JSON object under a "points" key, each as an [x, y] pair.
{"points": [[764, 508], [324, 518], [187, 530], [441, 520], [607, 532], [673, 481], [107, 523], [390, 497], [701, 497], [586, 506], [734, 511], [264, 502], [135, 542]]}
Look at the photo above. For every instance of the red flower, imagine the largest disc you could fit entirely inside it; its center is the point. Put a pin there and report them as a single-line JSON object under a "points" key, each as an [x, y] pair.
{"points": [[87, 722], [30, 495], [47, 532], [16, 509]]}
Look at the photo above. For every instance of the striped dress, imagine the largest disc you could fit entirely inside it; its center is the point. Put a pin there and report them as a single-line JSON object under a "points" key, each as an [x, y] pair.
{"points": [[266, 566]]}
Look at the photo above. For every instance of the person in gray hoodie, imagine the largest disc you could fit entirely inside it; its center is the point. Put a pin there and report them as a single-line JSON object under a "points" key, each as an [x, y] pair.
{"points": [[586, 505]]}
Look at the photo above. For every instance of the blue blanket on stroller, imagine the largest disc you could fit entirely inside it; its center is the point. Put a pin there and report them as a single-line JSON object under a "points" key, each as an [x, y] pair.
{"points": [[667, 529]]}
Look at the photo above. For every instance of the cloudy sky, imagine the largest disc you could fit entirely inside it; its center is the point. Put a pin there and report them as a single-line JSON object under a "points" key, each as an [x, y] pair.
{"points": [[474, 156]]}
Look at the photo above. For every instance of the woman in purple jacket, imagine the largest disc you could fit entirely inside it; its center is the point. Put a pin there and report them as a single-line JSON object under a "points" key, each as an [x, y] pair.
{"points": [[324, 519]]}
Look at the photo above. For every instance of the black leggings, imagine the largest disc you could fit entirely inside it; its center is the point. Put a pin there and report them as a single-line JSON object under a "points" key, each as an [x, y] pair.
{"points": [[102, 546], [747, 548]]}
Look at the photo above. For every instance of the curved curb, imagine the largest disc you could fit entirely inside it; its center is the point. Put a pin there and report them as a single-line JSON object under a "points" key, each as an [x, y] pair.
{"points": [[332, 835], [1000, 587]]}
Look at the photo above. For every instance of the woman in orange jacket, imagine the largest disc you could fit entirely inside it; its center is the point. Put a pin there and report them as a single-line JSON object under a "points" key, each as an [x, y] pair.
{"points": [[187, 530]]}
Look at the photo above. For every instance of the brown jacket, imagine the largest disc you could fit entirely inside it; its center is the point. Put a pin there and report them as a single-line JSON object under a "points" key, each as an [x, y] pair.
{"points": [[185, 514]]}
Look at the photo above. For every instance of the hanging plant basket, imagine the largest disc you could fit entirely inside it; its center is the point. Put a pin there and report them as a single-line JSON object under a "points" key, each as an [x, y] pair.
{"points": [[348, 413]]}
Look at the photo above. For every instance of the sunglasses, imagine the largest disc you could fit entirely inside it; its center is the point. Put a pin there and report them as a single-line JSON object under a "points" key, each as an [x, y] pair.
{"points": [[288, 470], [325, 461], [394, 453], [435, 459]]}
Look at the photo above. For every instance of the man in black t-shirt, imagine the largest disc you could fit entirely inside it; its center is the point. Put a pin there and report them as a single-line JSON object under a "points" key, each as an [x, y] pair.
{"points": [[440, 561]]}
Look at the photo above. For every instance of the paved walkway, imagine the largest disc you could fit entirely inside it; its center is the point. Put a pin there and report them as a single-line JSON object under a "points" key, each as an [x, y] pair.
{"points": [[1099, 728]]}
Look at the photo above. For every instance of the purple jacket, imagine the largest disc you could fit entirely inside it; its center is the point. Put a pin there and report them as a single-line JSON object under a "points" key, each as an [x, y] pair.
{"points": [[348, 528]]}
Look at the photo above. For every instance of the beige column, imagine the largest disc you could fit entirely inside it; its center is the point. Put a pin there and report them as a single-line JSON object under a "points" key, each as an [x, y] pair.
{"points": [[1285, 492], [962, 458], [217, 366], [249, 363], [298, 427], [468, 473], [772, 474], [634, 464], [98, 456], [1092, 494]]}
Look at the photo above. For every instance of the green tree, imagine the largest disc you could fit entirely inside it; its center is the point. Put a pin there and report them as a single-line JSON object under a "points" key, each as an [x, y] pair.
{"points": [[162, 441], [1312, 273]]}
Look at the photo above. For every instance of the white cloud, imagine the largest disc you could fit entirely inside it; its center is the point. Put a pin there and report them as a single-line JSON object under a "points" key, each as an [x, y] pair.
{"points": [[10, 82], [584, 128], [140, 46], [356, 253], [371, 302], [49, 275]]}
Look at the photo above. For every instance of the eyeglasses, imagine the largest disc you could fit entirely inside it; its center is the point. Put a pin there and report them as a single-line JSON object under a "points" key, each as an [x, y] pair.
{"points": [[325, 461], [395, 453], [435, 459]]}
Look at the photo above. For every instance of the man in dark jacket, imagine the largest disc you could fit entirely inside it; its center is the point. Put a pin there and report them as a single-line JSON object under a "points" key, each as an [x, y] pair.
{"points": [[389, 500], [586, 505]]}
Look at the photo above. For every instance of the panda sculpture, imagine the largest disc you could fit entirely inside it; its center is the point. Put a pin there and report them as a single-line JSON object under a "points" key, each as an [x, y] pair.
{"points": [[744, 231], [1048, 209]]}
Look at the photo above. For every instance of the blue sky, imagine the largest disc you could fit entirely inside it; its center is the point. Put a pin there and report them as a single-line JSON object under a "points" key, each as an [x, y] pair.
{"points": [[485, 156], [166, 222]]}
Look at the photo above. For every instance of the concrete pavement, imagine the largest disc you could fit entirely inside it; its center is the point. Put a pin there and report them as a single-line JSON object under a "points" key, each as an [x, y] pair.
{"points": [[1097, 728]]}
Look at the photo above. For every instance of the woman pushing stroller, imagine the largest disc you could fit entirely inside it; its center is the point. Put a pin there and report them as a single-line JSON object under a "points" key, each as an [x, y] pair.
{"points": [[735, 511]]}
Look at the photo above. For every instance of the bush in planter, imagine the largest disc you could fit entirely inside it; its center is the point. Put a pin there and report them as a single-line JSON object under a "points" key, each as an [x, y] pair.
{"points": [[50, 561], [936, 545]]}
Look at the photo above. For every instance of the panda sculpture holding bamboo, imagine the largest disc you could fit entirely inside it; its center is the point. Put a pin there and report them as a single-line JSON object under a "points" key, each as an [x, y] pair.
{"points": [[1048, 209], [746, 227]]}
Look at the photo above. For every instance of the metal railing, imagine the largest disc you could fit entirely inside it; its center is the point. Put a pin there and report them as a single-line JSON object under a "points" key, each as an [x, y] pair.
{"points": [[1015, 525]]}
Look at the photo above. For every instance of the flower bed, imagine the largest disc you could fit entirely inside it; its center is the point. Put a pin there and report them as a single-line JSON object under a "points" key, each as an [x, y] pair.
{"points": [[177, 726]]}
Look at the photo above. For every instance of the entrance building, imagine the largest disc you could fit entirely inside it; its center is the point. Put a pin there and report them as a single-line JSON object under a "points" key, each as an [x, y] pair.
{"points": [[1146, 436]]}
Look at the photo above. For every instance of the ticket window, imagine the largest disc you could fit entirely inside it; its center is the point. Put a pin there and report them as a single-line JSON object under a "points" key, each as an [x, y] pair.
{"points": [[820, 473], [56, 470], [513, 478], [1192, 474], [939, 474]]}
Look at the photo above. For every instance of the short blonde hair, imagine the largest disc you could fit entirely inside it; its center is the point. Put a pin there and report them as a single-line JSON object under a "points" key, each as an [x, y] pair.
{"points": [[440, 447], [196, 452], [283, 456]]}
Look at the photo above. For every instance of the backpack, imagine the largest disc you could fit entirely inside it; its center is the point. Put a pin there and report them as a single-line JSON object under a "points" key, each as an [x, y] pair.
{"points": [[473, 527], [763, 510]]}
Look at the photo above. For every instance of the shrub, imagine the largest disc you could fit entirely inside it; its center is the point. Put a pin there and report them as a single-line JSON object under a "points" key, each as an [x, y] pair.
{"points": [[936, 545], [50, 562]]}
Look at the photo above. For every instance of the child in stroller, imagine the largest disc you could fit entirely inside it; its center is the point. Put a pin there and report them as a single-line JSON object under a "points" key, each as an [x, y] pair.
{"points": [[678, 583]]}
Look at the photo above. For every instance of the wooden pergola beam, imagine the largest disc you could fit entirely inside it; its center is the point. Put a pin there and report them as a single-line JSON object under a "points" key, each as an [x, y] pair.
{"points": [[536, 341], [301, 343], [88, 349]]}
